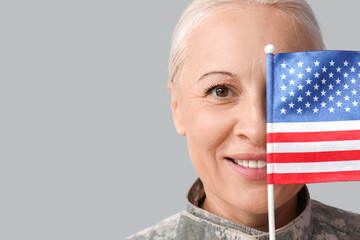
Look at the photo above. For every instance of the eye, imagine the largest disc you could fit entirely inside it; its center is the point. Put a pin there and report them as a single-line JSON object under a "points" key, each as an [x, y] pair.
{"points": [[221, 91]]}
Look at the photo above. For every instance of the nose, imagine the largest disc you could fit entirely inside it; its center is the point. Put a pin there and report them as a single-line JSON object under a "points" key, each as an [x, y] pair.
{"points": [[251, 121]]}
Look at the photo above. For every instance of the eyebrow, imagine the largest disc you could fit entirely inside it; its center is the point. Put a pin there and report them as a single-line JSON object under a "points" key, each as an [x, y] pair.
{"points": [[217, 72]]}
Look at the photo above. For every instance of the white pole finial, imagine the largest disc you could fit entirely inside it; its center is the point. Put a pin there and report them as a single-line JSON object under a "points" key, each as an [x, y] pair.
{"points": [[270, 49]]}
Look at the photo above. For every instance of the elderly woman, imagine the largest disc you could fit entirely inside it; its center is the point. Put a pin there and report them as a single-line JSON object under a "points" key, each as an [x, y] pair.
{"points": [[217, 84]]}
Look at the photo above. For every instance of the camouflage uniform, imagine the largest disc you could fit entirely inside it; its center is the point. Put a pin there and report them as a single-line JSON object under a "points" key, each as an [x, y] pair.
{"points": [[317, 221]]}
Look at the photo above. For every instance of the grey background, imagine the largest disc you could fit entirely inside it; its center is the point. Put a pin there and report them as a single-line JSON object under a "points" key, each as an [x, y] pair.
{"points": [[88, 147]]}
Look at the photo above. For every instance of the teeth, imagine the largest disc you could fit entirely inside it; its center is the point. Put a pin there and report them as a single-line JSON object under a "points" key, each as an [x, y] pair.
{"points": [[245, 163], [251, 163], [239, 162], [261, 164]]}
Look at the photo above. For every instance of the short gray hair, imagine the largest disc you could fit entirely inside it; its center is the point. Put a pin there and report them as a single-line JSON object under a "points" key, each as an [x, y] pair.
{"points": [[199, 10]]}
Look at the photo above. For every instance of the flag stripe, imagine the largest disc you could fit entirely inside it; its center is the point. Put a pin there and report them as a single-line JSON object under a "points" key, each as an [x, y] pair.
{"points": [[313, 136], [296, 178], [313, 167], [313, 126], [304, 157], [313, 146]]}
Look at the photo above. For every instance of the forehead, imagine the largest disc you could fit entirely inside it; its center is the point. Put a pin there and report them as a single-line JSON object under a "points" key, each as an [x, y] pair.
{"points": [[231, 36]]}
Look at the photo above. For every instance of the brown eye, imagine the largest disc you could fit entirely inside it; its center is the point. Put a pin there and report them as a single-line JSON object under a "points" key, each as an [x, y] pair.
{"points": [[221, 91]]}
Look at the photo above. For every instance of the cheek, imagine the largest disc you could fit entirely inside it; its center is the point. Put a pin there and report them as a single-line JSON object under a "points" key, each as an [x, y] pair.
{"points": [[207, 128]]}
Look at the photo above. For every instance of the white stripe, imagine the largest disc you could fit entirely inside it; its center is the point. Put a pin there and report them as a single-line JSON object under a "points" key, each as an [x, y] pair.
{"points": [[313, 126], [313, 146], [314, 167]]}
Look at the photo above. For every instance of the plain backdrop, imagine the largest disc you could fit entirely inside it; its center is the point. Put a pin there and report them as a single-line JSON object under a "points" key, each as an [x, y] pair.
{"points": [[88, 146]]}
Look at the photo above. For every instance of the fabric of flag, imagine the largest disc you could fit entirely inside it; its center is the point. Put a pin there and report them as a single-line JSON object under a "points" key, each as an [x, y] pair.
{"points": [[313, 117]]}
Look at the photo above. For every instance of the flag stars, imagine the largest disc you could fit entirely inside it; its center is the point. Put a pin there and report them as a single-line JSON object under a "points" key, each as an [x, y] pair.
{"points": [[346, 75], [353, 81], [292, 71], [308, 69], [331, 110], [292, 82], [338, 81], [347, 109], [323, 81], [338, 69], [332, 63], [317, 63], [308, 81], [358, 64], [331, 87], [338, 93], [300, 64], [299, 110], [300, 99], [355, 103], [316, 75], [331, 75], [307, 105], [308, 93], [324, 69], [331, 98], [315, 110], [316, 98], [323, 93], [323, 104], [283, 65], [283, 111], [354, 92], [346, 63], [283, 76], [300, 87], [352, 69], [346, 86], [283, 99], [283, 88], [346, 98], [338, 104], [316, 87], [291, 105], [300, 75], [292, 93]]}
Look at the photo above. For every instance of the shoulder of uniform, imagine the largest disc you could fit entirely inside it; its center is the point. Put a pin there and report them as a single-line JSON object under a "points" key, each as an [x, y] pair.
{"points": [[165, 229], [334, 219]]}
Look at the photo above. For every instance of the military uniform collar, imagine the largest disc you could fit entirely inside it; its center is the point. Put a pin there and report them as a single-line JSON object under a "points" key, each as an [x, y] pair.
{"points": [[198, 221]]}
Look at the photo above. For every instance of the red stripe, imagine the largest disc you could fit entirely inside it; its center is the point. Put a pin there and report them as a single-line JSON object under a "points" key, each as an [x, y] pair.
{"points": [[313, 136], [313, 156], [296, 178]]}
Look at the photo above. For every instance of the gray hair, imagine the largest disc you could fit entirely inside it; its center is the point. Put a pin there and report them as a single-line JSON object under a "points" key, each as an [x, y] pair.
{"points": [[199, 10]]}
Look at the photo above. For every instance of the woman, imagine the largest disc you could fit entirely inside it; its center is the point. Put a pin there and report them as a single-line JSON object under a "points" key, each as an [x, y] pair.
{"points": [[217, 84]]}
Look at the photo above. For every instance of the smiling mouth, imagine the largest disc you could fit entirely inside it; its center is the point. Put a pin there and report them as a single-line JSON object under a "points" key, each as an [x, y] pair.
{"points": [[249, 163]]}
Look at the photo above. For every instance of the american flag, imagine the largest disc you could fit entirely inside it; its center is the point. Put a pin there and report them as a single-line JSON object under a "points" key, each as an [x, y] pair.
{"points": [[313, 117]]}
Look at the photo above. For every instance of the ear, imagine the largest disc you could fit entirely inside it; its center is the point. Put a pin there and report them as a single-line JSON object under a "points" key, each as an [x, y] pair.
{"points": [[175, 110]]}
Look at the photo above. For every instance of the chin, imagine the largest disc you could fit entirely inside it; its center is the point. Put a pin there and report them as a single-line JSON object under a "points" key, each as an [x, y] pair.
{"points": [[247, 196], [254, 204]]}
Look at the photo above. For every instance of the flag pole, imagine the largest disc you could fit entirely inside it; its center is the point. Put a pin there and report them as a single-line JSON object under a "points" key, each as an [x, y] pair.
{"points": [[270, 49], [271, 212]]}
